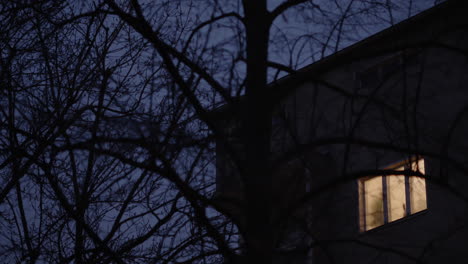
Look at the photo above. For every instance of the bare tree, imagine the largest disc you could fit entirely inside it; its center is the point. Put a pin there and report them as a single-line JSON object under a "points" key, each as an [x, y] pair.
{"points": [[110, 125]]}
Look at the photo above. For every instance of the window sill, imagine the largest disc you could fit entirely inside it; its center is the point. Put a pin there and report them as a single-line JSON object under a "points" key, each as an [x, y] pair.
{"points": [[393, 223]]}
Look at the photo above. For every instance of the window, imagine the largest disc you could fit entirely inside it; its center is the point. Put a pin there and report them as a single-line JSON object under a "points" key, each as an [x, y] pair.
{"points": [[384, 199], [376, 75], [369, 79]]}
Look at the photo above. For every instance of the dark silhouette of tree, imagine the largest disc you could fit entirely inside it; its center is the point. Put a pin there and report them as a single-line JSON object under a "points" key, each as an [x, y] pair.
{"points": [[110, 121]]}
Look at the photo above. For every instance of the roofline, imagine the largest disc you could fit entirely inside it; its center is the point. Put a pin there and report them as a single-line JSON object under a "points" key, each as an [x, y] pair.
{"points": [[355, 52], [394, 29]]}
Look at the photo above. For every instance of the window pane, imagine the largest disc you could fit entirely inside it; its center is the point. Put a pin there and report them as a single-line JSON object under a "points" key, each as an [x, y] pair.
{"points": [[418, 194], [396, 197], [418, 166], [369, 79], [418, 188], [374, 202]]}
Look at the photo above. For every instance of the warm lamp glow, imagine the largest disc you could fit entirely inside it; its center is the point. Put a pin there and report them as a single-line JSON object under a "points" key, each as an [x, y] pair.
{"points": [[388, 198]]}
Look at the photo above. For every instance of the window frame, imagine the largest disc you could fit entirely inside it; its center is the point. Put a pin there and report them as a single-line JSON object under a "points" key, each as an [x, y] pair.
{"points": [[406, 164], [383, 70]]}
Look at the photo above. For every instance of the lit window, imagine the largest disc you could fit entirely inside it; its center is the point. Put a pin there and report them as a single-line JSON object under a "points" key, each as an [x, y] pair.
{"points": [[384, 199]]}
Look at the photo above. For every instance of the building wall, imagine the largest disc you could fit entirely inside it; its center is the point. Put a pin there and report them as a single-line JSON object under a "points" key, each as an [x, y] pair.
{"points": [[418, 104], [414, 108]]}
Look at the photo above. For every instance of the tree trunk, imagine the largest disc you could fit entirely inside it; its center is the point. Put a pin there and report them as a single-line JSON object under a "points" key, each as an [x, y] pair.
{"points": [[257, 130]]}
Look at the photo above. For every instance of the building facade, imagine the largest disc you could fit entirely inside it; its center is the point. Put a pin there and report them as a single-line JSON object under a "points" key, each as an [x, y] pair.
{"points": [[371, 143]]}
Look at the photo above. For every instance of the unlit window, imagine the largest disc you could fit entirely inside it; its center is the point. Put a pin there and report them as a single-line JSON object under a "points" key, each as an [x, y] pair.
{"points": [[384, 199]]}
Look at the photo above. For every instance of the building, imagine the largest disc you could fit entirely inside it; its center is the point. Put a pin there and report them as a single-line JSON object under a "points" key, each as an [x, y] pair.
{"points": [[378, 131]]}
